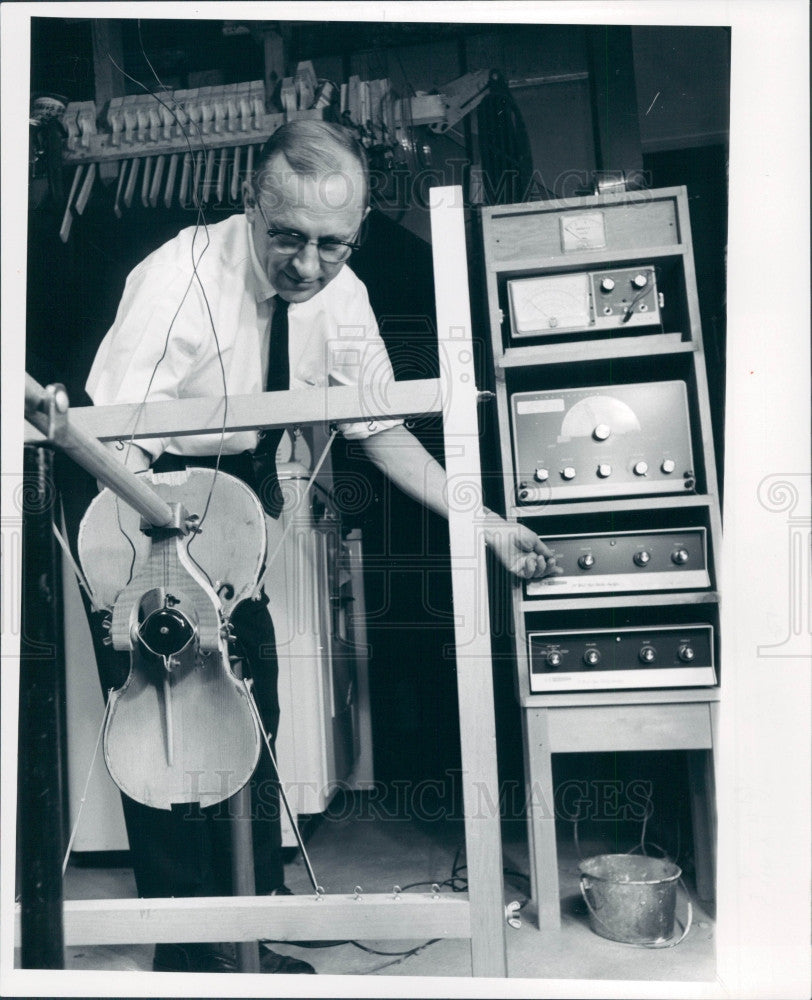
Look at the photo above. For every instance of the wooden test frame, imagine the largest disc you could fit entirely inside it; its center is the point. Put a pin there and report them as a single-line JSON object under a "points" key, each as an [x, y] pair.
{"points": [[478, 914]]}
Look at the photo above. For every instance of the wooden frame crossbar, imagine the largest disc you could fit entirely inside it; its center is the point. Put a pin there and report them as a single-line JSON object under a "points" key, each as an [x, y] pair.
{"points": [[373, 916], [479, 915], [180, 417]]}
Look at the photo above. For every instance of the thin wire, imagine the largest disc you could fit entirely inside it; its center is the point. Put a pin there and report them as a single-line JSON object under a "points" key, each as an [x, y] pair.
{"points": [[200, 222], [401, 955], [403, 71], [628, 311], [289, 525], [202, 217], [87, 782], [291, 818], [80, 576]]}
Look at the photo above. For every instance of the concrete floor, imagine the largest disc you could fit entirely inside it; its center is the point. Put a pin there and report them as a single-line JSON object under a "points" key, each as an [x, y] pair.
{"points": [[377, 854]]}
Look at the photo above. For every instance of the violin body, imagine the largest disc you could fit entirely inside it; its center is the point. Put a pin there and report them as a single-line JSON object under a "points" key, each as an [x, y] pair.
{"points": [[181, 728]]}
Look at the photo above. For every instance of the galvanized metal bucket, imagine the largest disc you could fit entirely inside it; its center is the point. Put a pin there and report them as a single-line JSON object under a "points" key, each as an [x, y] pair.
{"points": [[632, 898]]}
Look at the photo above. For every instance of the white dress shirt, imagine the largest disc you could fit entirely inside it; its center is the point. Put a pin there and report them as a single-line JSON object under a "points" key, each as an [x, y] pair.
{"points": [[203, 297]]}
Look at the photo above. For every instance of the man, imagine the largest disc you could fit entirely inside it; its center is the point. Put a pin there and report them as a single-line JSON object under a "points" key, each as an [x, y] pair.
{"points": [[262, 300]]}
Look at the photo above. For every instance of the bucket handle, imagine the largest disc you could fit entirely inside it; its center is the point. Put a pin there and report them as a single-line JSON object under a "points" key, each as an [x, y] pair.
{"points": [[654, 944]]}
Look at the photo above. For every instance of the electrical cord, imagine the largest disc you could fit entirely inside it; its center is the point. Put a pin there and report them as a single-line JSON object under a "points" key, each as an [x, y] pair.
{"points": [[200, 222], [455, 882], [641, 844]]}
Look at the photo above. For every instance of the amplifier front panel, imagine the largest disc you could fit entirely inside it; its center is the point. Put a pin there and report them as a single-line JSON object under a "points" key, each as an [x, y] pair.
{"points": [[591, 660], [549, 305], [602, 441], [625, 561]]}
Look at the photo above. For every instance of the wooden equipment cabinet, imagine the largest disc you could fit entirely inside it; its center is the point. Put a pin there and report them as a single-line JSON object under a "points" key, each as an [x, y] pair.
{"points": [[630, 229]]}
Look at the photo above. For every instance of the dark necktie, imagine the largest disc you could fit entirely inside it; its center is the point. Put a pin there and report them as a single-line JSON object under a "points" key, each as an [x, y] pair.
{"points": [[264, 459]]}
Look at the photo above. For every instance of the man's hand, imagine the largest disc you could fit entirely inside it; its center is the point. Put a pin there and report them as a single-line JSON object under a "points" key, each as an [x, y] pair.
{"points": [[519, 549]]}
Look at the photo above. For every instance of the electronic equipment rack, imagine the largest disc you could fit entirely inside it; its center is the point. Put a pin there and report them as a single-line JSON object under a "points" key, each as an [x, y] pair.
{"points": [[604, 430]]}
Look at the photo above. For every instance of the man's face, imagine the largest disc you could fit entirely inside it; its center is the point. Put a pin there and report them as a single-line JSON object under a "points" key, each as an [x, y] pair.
{"points": [[328, 206]]}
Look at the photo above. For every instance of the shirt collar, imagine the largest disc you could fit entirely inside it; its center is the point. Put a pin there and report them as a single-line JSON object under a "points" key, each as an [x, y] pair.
{"points": [[262, 288]]}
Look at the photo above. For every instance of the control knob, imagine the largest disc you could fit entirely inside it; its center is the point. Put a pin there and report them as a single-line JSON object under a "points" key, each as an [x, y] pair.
{"points": [[640, 468], [686, 653], [668, 466], [554, 659], [541, 475], [592, 657], [586, 561], [680, 556], [647, 654], [607, 284], [604, 470], [568, 472], [640, 280], [602, 432], [642, 557]]}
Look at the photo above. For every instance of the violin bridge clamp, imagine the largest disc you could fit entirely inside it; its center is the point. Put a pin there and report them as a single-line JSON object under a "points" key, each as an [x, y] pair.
{"points": [[179, 525]]}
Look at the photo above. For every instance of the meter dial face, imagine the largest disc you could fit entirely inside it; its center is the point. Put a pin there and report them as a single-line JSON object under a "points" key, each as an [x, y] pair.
{"points": [[547, 304], [585, 231], [598, 412]]}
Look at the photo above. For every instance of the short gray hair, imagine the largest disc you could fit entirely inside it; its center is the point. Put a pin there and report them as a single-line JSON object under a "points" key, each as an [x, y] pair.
{"points": [[310, 147]]}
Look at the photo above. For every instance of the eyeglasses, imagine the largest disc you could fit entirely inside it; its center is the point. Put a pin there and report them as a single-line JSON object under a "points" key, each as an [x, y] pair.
{"points": [[289, 243]]}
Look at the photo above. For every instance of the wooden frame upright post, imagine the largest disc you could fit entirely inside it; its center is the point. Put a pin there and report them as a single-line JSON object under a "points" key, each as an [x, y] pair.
{"points": [[483, 839]]}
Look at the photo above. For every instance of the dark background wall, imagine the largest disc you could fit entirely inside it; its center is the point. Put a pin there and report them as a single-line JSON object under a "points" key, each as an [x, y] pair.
{"points": [[681, 95]]}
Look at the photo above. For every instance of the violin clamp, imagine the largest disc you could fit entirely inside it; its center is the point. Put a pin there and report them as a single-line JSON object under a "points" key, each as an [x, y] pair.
{"points": [[179, 525]]}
